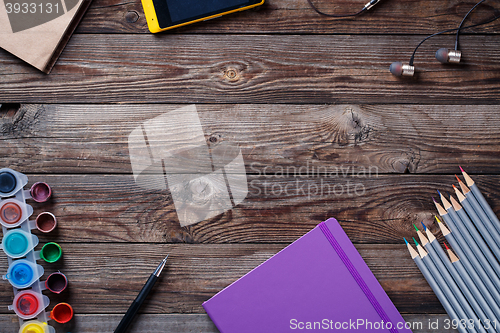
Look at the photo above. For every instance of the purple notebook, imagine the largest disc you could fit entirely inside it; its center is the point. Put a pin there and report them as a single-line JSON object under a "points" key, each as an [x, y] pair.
{"points": [[317, 283]]}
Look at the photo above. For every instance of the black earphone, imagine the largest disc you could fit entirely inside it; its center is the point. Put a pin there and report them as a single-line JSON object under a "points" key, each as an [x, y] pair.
{"points": [[443, 55]]}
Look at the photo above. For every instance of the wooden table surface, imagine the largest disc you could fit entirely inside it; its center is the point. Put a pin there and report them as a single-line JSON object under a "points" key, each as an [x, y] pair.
{"points": [[293, 90]]}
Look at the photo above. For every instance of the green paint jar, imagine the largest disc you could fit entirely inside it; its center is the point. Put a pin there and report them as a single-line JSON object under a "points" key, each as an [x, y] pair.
{"points": [[51, 252]]}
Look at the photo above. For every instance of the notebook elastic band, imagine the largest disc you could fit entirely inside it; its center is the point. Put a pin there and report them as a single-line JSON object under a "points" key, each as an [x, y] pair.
{"points": [[376, 305]]}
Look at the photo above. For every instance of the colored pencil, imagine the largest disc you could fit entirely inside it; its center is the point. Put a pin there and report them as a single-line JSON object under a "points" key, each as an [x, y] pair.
{"points": [[479, 212], [481, 200], [489, 234], [453, 280], [450, 296], [467, 224], [487, 289], [433, 284], [468, 243], [460, 270]]}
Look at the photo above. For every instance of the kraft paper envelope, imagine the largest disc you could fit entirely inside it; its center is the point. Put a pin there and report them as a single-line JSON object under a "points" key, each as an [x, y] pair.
{"points": [[37, 30]]}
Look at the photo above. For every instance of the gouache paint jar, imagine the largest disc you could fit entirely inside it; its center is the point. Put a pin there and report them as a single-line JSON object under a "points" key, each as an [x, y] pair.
{"points": [[13, 213], [56, 282], [35, 326], [17, 243], [8, 182], [51, 252], [23, 273], [11, 182], [40, 192], [46, 222], [28, 304], [62, 313]]}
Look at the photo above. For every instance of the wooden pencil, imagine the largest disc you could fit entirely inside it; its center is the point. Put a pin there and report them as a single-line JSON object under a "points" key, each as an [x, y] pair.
{"points": [[452, 298], [477, 210], [467, 280], [454, 282], [456, 226], [474, 220], [481, 200], [467, 226], [478, 275], [434, 286]]}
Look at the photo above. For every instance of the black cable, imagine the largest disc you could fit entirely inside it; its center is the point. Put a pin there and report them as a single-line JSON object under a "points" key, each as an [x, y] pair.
{"points": [[334, 15], [463, 20], [449, 30]]}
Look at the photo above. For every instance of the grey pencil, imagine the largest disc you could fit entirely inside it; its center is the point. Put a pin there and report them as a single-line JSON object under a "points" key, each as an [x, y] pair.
{"points": [[468, 244], [443, 285], [457, 265], [483, 283], [467, 224], [479, 305], [452, 283], [477, 215], [481, 200], [434, 286]]}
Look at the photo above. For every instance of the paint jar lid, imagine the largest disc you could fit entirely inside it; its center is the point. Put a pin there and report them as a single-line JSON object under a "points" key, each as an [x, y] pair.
{"points": [[8, 182], [23, 273], [46, 222], [28, 304], [51, 252], [56, 282], [17, 243], [62, 313], [40, 192]]}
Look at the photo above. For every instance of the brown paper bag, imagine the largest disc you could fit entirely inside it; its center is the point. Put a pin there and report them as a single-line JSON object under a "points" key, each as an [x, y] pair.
{"points": [[37, 30]]}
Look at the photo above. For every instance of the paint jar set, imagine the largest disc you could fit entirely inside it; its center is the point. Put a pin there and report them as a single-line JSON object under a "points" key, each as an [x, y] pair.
{"points": [[19, 244]]}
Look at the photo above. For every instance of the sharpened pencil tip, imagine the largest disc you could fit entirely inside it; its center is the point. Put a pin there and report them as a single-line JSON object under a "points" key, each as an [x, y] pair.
{"points": [[446, 246], [458, 178], [454, 187], [434, 200], [416, 243], [415, 227], [439, 193], [405, 241], [437, 219], [423, 225], [461, 169]]}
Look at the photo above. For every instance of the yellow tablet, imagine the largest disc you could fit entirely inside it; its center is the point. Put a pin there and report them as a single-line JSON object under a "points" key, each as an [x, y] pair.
{"points": [[168, 14]]}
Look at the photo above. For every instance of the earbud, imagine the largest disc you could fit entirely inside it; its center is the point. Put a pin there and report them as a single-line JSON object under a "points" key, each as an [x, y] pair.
{"points": [[445, 56], [397, 68]]}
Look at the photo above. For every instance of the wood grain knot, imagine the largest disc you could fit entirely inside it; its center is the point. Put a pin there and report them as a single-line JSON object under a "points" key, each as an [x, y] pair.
{"points": [[214, 139], [232, 74], [347, 127], [132, 16]]}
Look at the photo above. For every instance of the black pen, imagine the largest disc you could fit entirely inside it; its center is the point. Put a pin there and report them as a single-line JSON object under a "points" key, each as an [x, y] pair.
{"points": [[136, 304]]}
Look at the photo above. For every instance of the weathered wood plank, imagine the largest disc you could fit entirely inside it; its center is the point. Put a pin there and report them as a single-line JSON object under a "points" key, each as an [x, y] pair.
{"points": [[105, 278], [199, 323], [96, 208], [248, 68], [291, 16], [308, 138]]}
